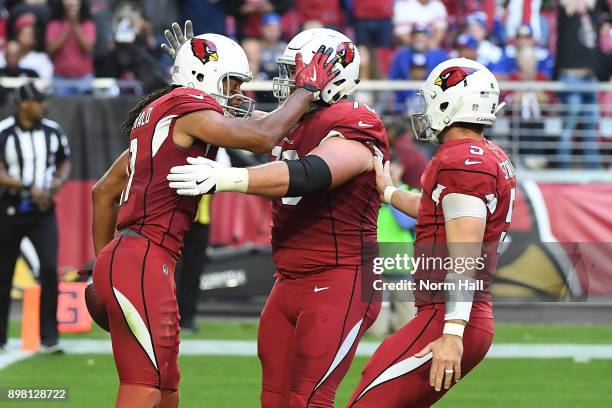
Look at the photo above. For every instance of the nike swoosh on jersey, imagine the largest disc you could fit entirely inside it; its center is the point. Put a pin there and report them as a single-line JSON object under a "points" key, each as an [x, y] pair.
{"points": [[200, 97], [469, 162], [316, 289], [364, 125]]}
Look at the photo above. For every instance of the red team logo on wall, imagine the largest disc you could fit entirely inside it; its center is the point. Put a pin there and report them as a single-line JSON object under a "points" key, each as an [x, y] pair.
{"points": [[345, 53], [453, 76], [205, 50]]}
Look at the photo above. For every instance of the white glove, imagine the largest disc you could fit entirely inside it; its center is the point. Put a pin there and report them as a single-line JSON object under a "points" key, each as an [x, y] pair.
{"points": [[176, 38], [196, 178], [204, 176]]}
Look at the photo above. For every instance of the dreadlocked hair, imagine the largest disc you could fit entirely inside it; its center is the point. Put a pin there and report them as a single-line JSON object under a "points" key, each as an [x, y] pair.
{"points": [[126, 128]]}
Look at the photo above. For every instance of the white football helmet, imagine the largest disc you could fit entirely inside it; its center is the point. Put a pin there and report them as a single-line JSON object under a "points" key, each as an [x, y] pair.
{"points": [[205, 62], [457, 90], [308, 43]]}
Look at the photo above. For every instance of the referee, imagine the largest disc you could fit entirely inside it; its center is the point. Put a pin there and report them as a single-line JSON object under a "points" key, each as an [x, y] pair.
{"points": [[34, 163]]}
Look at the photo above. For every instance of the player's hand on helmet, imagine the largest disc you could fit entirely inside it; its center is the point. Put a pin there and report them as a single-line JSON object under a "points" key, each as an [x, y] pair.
{"points": [[176, 38], [315, 76], [383, 176], [445, 362], [196, 178]]}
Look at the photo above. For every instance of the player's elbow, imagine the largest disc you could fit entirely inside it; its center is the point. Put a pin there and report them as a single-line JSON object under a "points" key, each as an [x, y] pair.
{"points": [[100, 193], [264, 143]]}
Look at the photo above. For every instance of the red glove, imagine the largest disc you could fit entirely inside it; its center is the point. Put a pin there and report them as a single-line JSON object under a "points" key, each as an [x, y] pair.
{"points": [[315, 76]]}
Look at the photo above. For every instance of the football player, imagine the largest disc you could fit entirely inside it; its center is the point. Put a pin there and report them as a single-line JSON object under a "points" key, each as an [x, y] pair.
{"points": [[324, 216], [133, 274], [463, 212]]}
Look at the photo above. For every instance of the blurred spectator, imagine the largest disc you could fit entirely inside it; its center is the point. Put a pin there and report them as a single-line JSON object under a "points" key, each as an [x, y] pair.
{"points": [[523, 13], [102, 16], [3, 27], [160, 12], [605, 43], [327, 12], [459, 10], [12, 68], [132, 50], [248, 15], [578, 61], [528, 107], [524, 38], [418, 57], [208, 16], [271, 48], [372, 23], [467, 47], [374, 36], [71, 35], [412, 159], [409, 13], [38, 9], [38, 62], [488, 54]]}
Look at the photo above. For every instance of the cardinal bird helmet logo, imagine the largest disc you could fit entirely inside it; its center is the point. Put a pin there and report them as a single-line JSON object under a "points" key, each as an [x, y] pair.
{"points": [[452, 76], [346, 53], [204, 50]]}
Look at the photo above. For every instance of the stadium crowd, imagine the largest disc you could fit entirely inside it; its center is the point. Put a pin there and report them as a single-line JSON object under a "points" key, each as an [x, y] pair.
{"points": [[73, 41]]}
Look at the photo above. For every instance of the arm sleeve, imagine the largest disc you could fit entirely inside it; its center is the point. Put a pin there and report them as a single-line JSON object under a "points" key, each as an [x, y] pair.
{"points": [[456, 205]]}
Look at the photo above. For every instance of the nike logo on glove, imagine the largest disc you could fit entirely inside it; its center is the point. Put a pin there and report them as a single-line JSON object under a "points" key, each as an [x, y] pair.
{"points": [[469, 162], [200, 97], [316, 289], [364, 125], [314, 76], [201, 181]]}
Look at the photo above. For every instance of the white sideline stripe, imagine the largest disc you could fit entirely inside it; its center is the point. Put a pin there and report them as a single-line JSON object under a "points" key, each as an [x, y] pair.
{"points": [[12, 354], [578, 352]]}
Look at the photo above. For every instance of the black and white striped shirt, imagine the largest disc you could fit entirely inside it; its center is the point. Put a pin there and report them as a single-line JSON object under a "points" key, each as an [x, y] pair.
{"points": [[31, 155]]}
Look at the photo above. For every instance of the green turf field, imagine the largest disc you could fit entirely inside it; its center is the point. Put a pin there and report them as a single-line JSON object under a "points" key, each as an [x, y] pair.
{"points": [[504, 332], [214, 381]]}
